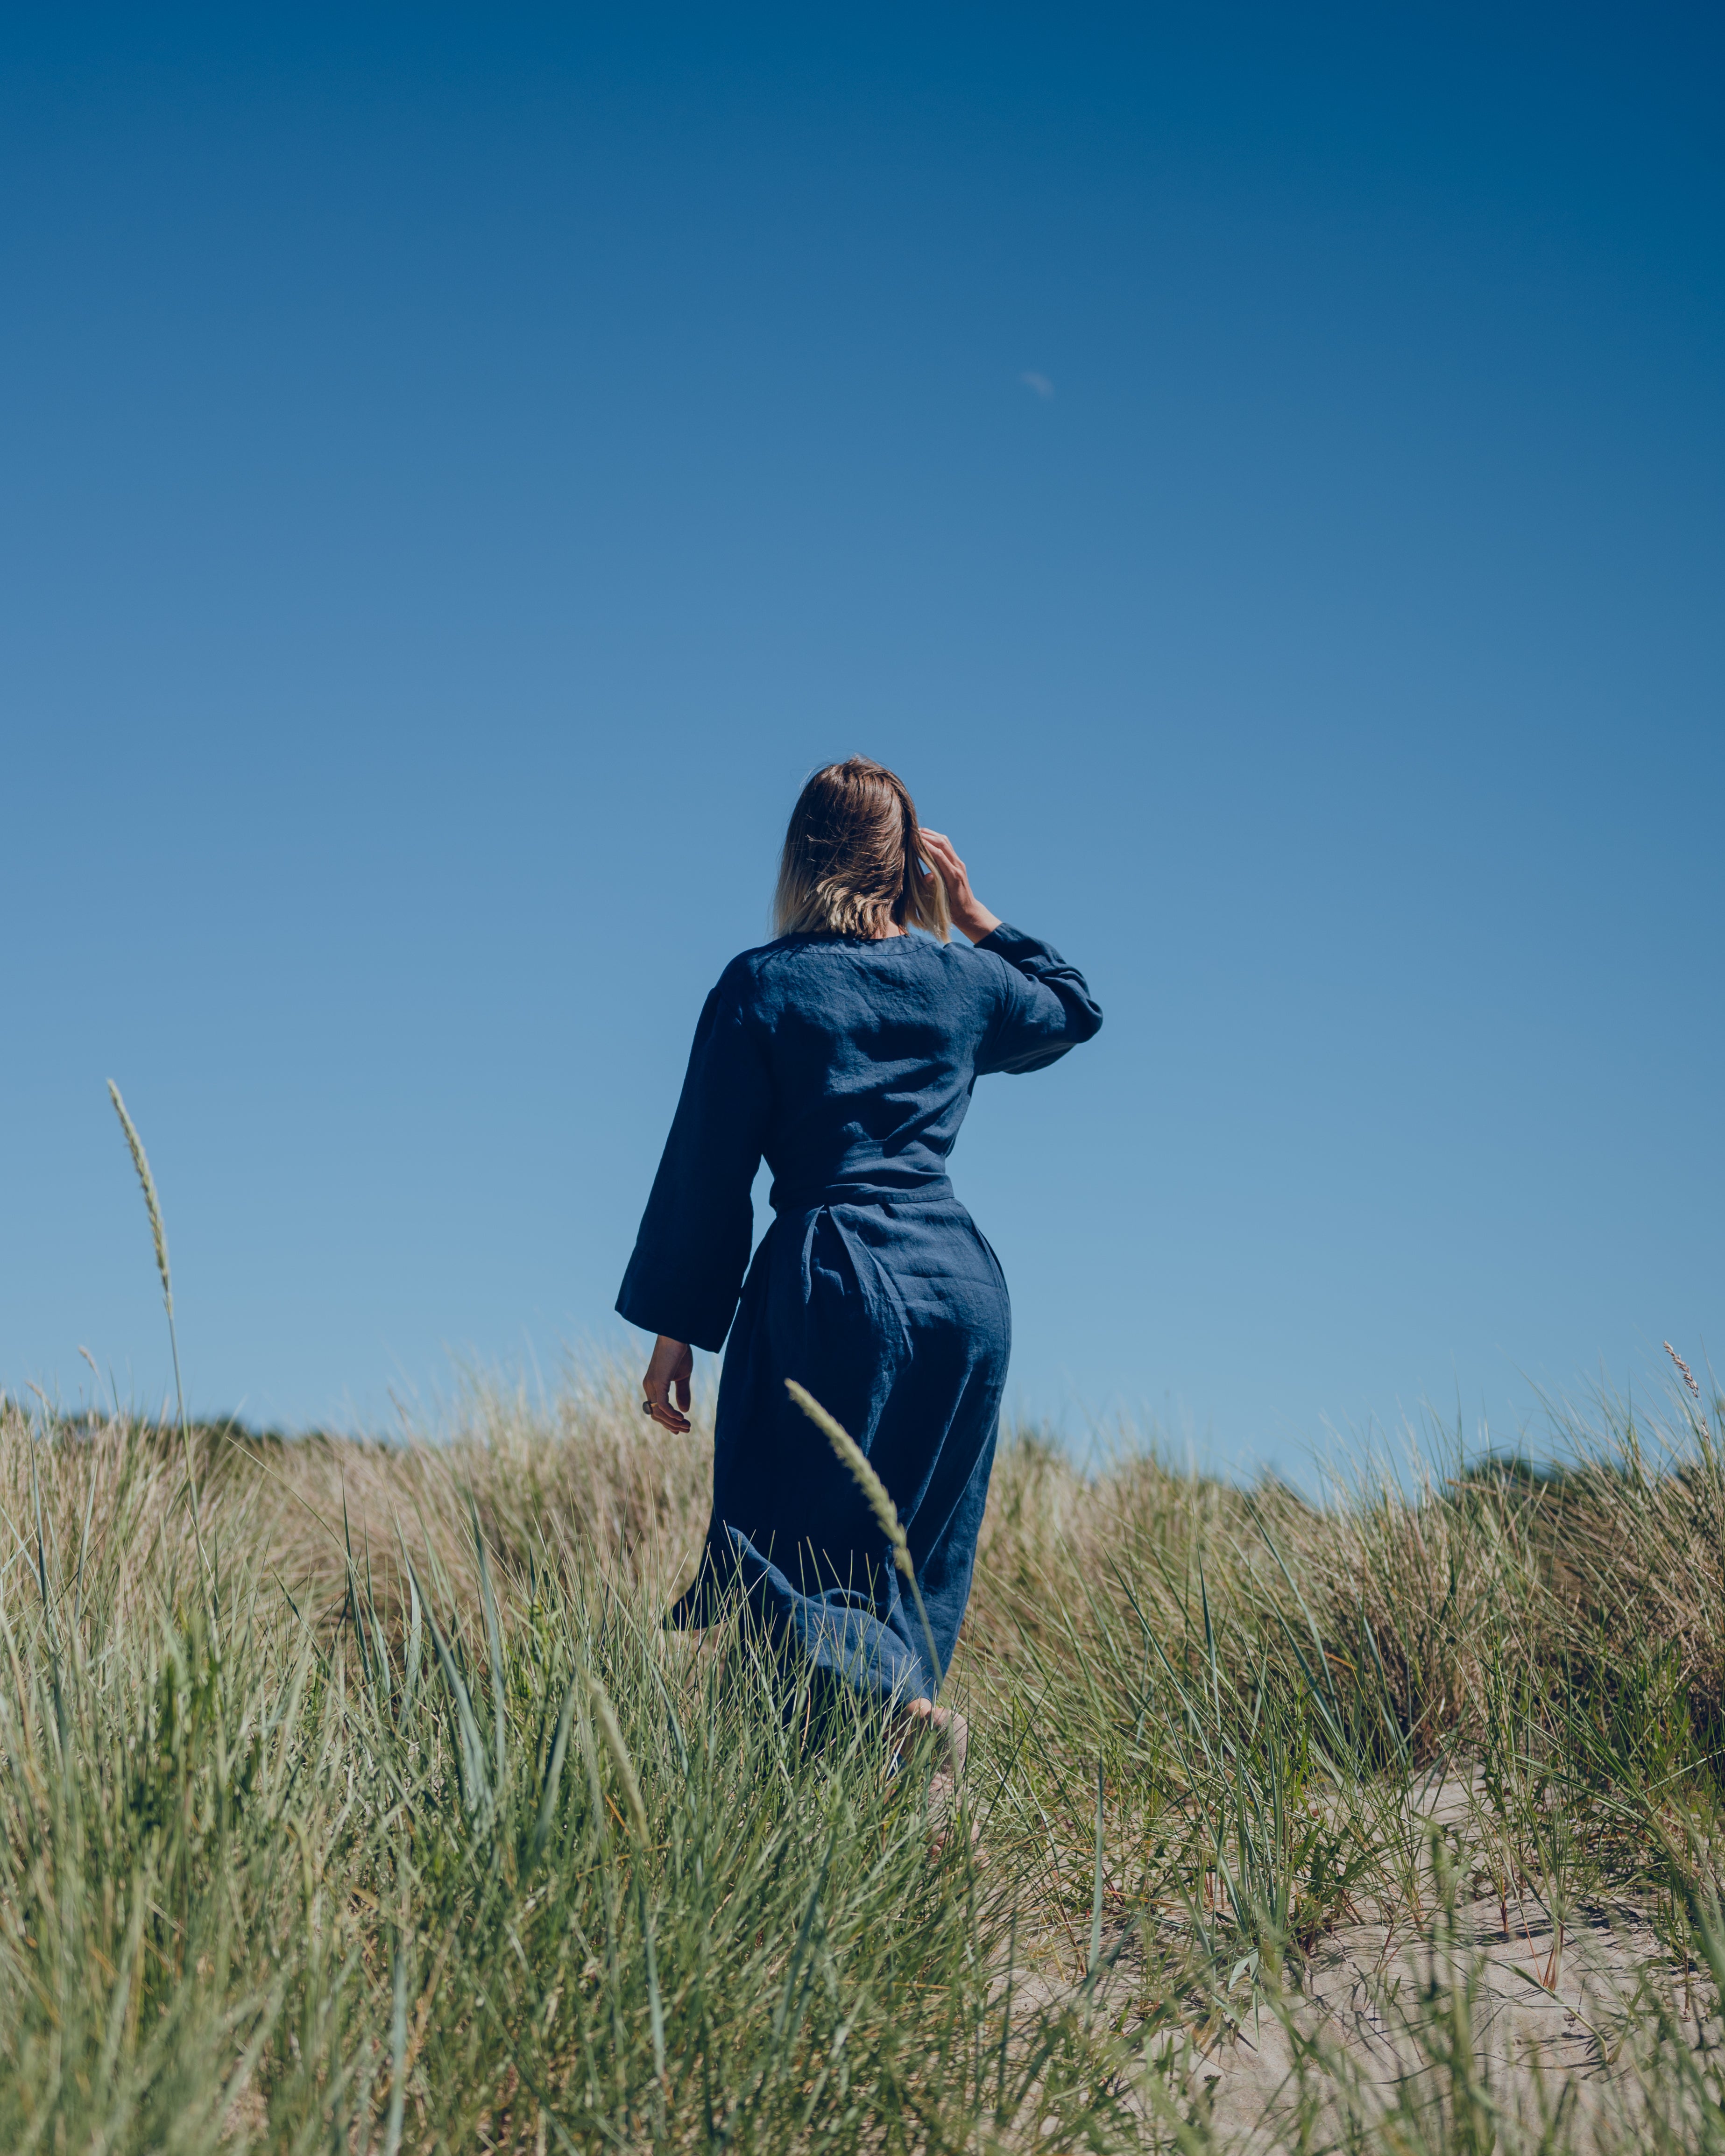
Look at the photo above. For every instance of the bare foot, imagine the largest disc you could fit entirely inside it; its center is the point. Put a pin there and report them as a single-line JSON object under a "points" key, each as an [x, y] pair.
{"points": [[951, 1729], [952, 1732]]}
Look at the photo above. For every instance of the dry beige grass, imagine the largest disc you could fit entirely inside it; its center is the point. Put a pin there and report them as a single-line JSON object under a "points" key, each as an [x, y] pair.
{"points": [[1209, 1722]]}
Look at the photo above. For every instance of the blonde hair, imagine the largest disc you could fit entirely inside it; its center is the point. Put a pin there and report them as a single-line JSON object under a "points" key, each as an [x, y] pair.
{"points": [[849, 865]]}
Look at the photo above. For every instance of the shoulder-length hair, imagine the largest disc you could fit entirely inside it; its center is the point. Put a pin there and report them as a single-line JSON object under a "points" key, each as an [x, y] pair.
{"points": [[849, 865]]}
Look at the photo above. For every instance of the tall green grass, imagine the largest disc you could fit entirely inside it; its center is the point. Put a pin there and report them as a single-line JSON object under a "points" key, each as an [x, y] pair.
{"points": [[419, 1842], [354, 1797], [395, 1819]]}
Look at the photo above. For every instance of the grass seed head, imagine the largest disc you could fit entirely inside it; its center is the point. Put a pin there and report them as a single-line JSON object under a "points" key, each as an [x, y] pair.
{"points": [[856, 1460], [141, 1162], [1688, 1378]]}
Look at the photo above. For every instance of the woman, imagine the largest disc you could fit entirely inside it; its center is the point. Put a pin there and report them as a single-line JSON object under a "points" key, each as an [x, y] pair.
{"points": [[846, 1051]]}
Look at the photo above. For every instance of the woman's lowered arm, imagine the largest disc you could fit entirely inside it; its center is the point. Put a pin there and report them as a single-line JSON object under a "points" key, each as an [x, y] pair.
{"points": [[693, 1248]]}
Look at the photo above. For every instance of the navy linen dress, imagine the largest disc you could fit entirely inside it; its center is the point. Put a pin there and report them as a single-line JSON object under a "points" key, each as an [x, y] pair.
{"points": [[848, 1062]]}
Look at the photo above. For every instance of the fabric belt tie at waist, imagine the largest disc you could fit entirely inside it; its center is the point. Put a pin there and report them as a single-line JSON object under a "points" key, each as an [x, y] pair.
{"points": [[939, 1192]]}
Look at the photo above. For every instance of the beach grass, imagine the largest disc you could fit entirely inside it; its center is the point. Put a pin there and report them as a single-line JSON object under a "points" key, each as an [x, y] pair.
{"points": [[354, 1796]]}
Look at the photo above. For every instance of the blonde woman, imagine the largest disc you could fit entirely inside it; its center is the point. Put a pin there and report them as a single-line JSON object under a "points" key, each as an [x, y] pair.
{"points": [[846, 1052]]}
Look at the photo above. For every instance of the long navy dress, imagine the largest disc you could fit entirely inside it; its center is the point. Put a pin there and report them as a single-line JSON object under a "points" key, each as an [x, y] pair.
{"points": [[848, 1062]]}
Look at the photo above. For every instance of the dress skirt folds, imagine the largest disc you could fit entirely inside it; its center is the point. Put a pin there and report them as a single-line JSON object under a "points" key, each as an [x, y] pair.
{"points": [[848, 1064]]}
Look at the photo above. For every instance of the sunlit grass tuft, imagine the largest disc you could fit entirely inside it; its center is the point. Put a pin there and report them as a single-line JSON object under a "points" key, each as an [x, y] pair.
{"points": [[355, 1797], [400, 1821]]}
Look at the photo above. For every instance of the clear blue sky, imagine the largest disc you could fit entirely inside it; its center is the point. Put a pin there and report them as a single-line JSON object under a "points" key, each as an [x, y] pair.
{"points": [[1256, 470]]}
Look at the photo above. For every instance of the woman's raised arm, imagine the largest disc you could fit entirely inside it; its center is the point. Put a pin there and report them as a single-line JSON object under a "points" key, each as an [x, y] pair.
{"points": [[1046, 1005]]}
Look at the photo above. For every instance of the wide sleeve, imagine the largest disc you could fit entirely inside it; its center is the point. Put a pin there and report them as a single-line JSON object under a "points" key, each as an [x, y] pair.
{"points": [[1045, 1005], [693, 1248]]}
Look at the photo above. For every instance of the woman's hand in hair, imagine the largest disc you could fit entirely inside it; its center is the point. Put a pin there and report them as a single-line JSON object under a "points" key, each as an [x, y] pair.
{"points": [[671, 1368], [961, 903]]}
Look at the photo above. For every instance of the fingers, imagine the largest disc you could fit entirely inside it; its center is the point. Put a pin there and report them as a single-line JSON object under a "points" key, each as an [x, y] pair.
{"points": [[670, 1370], [672, 1362], [657, 1391], [967, 912], [942, 855]]}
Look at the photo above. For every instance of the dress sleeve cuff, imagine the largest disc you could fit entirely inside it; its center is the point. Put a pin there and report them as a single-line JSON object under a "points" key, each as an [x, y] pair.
{"points": [[1012, 944]]}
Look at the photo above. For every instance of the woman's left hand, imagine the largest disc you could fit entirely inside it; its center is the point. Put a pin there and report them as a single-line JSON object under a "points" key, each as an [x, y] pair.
{"points": [[967, 909], [671, 1368]]}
